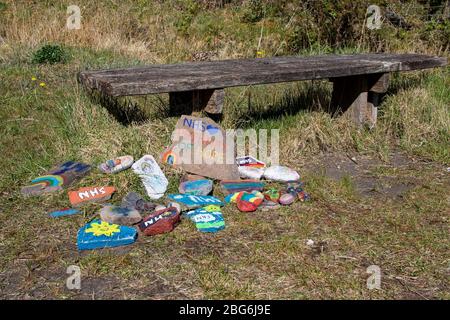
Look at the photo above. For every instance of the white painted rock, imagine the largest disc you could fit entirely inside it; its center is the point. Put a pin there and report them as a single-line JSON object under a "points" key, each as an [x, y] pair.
{"points": [[154, 180], [250, 172], [281, 173]]}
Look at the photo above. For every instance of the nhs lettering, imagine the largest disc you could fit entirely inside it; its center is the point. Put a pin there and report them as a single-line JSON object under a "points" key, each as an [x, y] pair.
{"points": [[200, 125], [90, 194]]}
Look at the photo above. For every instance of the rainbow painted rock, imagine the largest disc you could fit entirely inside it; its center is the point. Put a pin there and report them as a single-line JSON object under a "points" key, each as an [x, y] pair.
{"points": [[120, 215], [116, 165], [249, 202], [199, 187], [287, 199], [90, 194], [56, 179], [161, 221], [99, 234]]}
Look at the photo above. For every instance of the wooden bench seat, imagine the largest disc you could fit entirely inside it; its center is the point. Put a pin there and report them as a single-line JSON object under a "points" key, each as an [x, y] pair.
{"points": [[199, 85]]}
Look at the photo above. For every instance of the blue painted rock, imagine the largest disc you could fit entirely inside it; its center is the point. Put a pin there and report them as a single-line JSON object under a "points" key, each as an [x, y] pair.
{"points": [[101, 234], [64, 212], [281, 173], [161, 221], [120, 215], [195, 201], [286, 199], [201, 187], [135, 201], [116, 165], [56, 179], [233, 186]]}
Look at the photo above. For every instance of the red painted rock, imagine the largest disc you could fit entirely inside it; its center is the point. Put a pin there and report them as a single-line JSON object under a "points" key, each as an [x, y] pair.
{"points": [[90, 194], [161, 221]]}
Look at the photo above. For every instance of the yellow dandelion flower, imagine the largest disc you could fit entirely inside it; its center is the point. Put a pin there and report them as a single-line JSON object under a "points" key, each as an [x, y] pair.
{"points": [[103, 228], [42, 84], [33, 78]]}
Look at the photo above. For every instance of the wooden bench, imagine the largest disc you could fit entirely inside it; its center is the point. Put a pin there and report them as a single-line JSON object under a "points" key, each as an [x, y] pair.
{"points": [[357, 79]]}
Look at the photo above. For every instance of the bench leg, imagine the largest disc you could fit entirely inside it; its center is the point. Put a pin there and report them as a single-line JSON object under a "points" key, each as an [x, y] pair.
{"points": [[358, 97], [187, 102]]}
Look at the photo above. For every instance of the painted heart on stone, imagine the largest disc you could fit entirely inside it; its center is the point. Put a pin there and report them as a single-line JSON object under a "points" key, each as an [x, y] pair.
{"points": [[101, 234]]}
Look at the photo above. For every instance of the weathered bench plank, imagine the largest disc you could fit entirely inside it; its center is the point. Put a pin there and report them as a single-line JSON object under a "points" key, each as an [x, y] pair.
{"points": [[229, 73]]}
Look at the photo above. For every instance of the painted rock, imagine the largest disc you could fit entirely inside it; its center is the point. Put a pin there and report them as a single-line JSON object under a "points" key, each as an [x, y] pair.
{"points": [[64, 212], [272, 195], [135, 201], [268, 205], [161, 221], [120, 215], [251, 172], [207, 219], [296, 189], [101, 234], [90, 194], [57, 178], [281, 173], [249, 161], [195, 201], [287, 199], [196, 187], [249, 202], [154, 180], [233, 186], [116, 165], [231, 198]]}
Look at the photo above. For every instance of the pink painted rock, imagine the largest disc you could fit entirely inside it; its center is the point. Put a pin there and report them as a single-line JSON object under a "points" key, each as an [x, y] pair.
{"points": [[286, 199]]}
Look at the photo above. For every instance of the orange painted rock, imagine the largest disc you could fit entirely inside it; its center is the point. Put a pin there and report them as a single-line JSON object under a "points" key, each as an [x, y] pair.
{"points": [[90, 194]]}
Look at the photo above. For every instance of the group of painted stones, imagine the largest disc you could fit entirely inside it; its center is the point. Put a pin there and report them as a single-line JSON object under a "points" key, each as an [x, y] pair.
{"points": [[118, 224]]}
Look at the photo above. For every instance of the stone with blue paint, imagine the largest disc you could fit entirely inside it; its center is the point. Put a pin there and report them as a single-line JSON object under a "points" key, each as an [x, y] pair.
{"points": [[191, 201], [120, 215], [99, 234], [64, 212], [201, 187]]}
